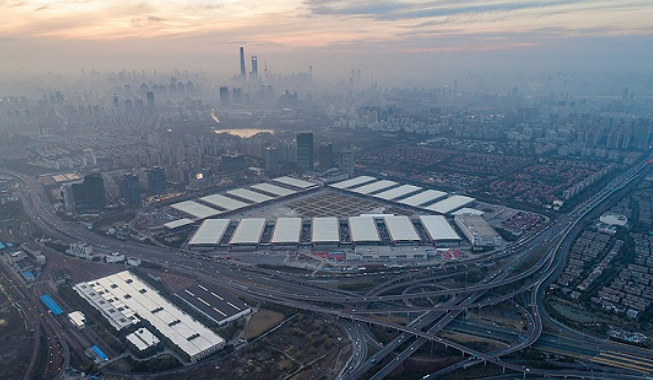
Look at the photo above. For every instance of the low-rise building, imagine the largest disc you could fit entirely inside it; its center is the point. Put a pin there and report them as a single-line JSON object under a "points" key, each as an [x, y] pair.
{"points": [[477, 230]]}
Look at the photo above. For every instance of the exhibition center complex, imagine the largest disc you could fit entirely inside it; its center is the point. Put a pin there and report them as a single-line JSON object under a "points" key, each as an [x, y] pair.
{"points": [[220, 226]]}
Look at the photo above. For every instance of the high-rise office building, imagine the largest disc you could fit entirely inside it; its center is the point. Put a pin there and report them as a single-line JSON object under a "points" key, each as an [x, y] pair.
{"points": [[254, 74], [150, 100], [243, 69], [88, 195], [305, 151], [231, 163], [271, 157], [224, 95], [325, 156], [129, 189], [156, 181], [347, 161]]}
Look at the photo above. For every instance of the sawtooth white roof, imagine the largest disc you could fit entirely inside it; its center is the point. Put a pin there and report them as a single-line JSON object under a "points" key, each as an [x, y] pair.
{"points": [[468, 211], [128, 292], [438, 228], [397, 192], [325, 230], [353, 182], [294, 182], [287, 230], [224, 202], [210, 232], [178, 223], [142, 339], [423, 197], [250, 195], [450, 204], [362, 229], [249, 231], [374, 186], [195, 209], [273, 189], [401, 228]]}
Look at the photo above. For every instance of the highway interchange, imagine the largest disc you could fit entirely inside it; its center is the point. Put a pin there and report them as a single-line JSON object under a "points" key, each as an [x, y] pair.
{"points": [[519, 274]]}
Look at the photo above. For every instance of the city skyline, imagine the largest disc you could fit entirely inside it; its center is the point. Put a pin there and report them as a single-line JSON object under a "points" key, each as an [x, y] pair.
{"points": [[333, 36]]}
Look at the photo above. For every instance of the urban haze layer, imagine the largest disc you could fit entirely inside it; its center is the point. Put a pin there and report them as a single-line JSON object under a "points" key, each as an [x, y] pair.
{"points": [[293, 225]]}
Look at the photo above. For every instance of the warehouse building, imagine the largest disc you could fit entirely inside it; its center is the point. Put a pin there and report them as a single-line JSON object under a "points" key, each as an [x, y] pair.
{"points": [[143, 339], [209, 234], [450, 204], [439, 230], [287, 232], [422, 198], [123, 299], [477, 230], [353, 182], [248, 233], [401, 230], [325, 231], [196, 210], [363, 230], [296, 183], [214, 303]]}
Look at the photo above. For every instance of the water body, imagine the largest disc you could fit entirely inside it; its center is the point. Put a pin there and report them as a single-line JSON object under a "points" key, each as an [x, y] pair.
{"points": [[245, 132]]}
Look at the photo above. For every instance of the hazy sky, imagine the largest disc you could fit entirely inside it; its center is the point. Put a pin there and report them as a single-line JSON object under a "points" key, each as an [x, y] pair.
{"points": [[332, 35]]}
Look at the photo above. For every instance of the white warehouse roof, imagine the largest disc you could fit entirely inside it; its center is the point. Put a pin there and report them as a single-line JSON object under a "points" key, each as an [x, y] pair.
{"points": [[127, 291], [362, 229], [226, 203], [468, 211], [142, 339], [438, 228], [401, 228], [353, 182], [294, 182], [287, 230], [397, 192], [423, 197], [273, 189], [250, 195], [195, 209], [450, 204], [374, 186], [325, 230], [178, 223], [249, 231], [210, 232]]}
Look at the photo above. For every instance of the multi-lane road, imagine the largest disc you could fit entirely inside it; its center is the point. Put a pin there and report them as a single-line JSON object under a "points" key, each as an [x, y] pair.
{"points": [[521, 271]]}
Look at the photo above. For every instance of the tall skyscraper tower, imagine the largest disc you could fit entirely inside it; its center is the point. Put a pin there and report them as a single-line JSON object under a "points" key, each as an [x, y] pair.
{"points": [[254, 73], [243, 69], [325, 156], [224, 95], [129, 189], [156, 181], [305, 151], [347, 161], [150, 100]]}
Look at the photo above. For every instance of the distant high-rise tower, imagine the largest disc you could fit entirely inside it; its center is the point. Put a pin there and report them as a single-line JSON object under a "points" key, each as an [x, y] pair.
{"points": [[254, 74], [243, 69], [347, 161], [156, 181], [129, 189], [150, 100], [224, 95], [325, 156], [305, 151]]}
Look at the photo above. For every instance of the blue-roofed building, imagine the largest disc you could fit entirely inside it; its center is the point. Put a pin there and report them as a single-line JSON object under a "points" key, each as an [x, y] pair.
{"points": [[28, 276], [2, 246], [100, 354], [9, 244], [53, 306]]}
